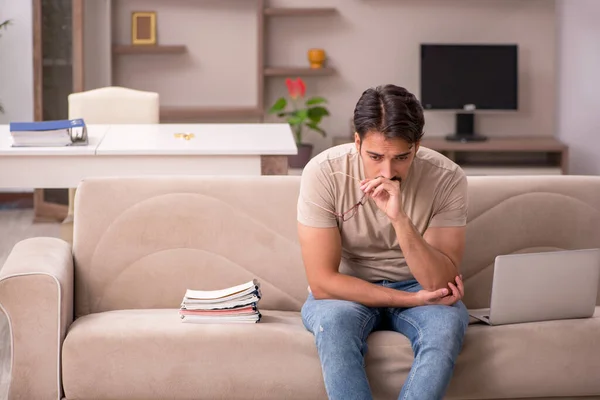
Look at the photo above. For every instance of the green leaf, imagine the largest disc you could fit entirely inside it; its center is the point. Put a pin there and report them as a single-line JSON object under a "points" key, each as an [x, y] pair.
{"points": [[295, 120], [298, 133], [313, 125], [317, 113], [303, 113], [279, 105], [286, 113], [297, 117], [5, 24], [315, 100]]}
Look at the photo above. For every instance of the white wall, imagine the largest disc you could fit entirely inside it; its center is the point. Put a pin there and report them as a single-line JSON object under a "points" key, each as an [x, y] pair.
{"points": [[16, 61], [97, 44], [369, 43], [219, 67], [578, 77], [377, 41]]}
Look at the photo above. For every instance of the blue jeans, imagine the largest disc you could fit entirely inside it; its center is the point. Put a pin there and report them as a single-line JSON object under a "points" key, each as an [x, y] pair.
{"points": [[341, 328]]}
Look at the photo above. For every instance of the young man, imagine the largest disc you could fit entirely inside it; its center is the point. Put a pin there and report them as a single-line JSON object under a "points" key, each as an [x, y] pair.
{"points": [[381, 223]]}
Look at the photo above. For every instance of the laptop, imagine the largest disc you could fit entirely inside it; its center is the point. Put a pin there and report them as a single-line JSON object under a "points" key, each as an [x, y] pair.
{"points": [[543, 287]]}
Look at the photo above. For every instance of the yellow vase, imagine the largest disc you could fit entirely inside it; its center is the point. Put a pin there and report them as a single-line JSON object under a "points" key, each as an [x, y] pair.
{"points": [[316, 57]]}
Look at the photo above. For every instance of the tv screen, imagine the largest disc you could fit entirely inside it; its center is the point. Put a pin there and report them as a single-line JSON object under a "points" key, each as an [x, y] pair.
{"points": [[459, 77]]}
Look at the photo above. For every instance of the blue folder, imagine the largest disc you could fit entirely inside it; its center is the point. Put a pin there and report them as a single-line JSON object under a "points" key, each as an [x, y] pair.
{"points": [[46, 125]]}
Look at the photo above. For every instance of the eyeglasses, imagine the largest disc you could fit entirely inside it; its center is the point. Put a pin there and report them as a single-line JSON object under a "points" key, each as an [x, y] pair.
{"points": [[346, 215]]}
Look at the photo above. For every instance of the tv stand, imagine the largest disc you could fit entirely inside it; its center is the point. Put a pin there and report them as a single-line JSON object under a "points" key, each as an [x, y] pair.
{"points": [[464, 138], [465, 129], [517, 155], [509, 155]]}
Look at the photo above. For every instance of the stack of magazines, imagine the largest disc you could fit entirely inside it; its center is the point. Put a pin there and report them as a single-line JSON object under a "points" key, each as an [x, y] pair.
{"points": [[230, 305], [67, 132]]}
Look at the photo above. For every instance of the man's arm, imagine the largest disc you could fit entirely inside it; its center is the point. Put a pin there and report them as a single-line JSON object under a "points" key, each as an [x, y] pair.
{"points": [[321, 252], [433, 258]]}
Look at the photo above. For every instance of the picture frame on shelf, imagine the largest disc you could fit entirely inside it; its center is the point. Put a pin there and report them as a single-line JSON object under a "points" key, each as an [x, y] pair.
{"points": [[143, 28]]}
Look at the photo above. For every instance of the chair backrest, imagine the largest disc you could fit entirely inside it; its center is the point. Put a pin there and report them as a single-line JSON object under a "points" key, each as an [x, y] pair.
{"points": [[140, 242], [115, 105]]}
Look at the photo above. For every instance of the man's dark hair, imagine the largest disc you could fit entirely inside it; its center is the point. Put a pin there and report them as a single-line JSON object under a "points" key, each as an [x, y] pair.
{"points": [[390, 110]]}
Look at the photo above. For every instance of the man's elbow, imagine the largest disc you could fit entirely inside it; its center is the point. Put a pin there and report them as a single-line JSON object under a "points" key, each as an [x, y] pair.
{"points": [[439, 283], [433, 286], [320, 289], [319, 293]]}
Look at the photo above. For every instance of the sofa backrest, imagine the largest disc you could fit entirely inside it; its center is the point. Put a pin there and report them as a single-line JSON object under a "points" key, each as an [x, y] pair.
{"points": [[141, 242], [522, 215]]}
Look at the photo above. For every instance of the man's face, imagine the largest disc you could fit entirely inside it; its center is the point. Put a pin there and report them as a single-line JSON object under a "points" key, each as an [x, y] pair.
{"points": [[390, 158]]}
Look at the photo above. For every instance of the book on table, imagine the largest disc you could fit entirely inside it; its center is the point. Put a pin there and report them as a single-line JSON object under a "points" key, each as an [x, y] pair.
{"points": [[57, 133], [233, 304]]}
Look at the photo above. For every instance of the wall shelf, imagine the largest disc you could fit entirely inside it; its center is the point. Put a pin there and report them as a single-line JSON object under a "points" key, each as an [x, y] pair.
{"points": [[305, 11], [296, 71], [148, 49], [182, 113], [190, 113]]}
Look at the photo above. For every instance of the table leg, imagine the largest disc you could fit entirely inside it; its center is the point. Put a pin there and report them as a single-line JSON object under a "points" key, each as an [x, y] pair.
{"points": [[66, 228], [45, 211], [274, 165], [564, 161]]}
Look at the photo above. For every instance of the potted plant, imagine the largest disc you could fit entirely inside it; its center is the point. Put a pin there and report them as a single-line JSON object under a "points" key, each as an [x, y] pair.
{"points": [[3, 25], [303, 114]]}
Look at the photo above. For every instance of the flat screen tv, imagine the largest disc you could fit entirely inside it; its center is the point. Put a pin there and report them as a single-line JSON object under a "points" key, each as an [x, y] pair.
{"points": [[468, 78]]}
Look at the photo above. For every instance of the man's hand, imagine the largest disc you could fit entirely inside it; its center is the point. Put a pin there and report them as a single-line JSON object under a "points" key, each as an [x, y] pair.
{"points": [[386, 194], [441, 296]]}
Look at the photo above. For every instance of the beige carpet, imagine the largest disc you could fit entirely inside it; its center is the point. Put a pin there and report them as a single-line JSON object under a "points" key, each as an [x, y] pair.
{"points": [[15, 225]]}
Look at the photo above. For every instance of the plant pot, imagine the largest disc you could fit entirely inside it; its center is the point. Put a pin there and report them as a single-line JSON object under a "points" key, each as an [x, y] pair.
{"points": [[302, 158], [316, 57]]}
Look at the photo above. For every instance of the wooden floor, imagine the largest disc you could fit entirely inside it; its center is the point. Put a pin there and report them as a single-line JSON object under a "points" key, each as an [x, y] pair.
{"points": [[16, 225]]}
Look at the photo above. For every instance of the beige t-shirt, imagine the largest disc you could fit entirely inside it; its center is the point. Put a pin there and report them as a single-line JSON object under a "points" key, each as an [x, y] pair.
{"points": [[433, 194]]}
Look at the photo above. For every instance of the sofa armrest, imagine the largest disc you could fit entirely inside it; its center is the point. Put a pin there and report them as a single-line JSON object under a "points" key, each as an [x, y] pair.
{"points": [[36, 294]]}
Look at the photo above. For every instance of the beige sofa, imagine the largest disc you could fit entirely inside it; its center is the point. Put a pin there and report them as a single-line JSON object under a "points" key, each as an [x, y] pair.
{"points": [[140, 242]]}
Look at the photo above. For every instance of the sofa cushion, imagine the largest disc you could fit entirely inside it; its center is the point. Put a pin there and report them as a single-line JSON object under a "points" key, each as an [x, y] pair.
{"points": [[151, 354]]}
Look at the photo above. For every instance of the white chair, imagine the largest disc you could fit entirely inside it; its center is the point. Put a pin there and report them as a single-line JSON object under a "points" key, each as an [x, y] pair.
{"points": [[109, 105], [115, 105]]}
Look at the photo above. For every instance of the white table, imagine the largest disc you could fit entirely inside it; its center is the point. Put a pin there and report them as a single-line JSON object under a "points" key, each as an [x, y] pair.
{"points": [[134, 150]]}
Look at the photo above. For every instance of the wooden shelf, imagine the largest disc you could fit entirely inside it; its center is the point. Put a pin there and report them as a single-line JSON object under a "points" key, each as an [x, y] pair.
{"points": [[516, 144], [182, 113], [149, 49], [507, 170], [502, 156], [190, 113], [312, 11], [294, 71]]}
